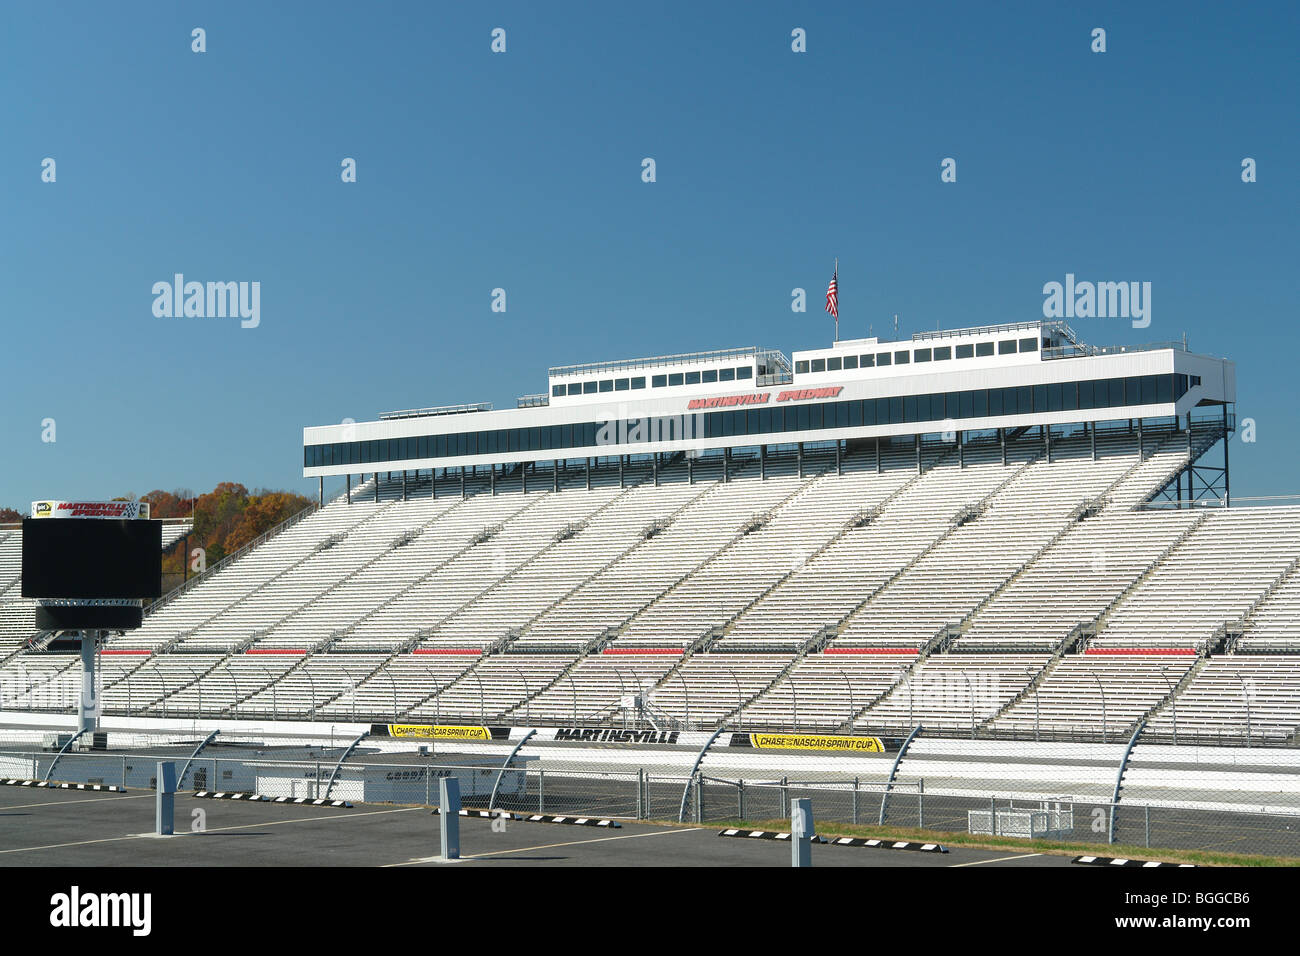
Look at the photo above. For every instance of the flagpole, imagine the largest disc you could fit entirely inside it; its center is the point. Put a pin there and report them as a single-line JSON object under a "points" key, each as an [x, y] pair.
{"points": [[836, 274]]}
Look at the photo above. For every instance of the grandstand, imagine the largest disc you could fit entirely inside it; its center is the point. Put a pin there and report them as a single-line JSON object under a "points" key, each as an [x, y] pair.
{"points": [[989, 531]]}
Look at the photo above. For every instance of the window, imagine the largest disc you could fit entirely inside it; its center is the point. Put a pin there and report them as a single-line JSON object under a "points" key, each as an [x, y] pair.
{"points": [[692, 378], [983, 348], [710, 375], [729, 374], [965, 351], [834, 364], [607, 385], [883, 359], [676, 378], [659, 381], [922, 355], [902, 357], [589, 388], [943, 354], [1040, 398], [745, 371], [1196, 380], [575, 388], [1029, 345], [819, 365], [850, 361], [1007, 347], [800, 367], [867, 361], [638, 382], [557, 391], [621, 385]]}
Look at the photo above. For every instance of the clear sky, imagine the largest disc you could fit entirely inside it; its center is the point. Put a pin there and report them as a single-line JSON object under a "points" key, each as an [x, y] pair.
{"points": [[522, 170]]}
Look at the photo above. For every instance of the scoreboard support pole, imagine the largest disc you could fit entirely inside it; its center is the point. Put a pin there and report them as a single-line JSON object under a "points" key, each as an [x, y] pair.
{"points": [[88, 706]]}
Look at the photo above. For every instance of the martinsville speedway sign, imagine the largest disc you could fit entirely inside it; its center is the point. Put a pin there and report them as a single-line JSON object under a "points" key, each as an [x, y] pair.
{"points": [[90, 509]]}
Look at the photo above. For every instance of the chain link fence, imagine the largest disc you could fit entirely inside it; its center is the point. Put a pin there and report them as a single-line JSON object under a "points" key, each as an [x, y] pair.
{"points": [[1206, 799]]}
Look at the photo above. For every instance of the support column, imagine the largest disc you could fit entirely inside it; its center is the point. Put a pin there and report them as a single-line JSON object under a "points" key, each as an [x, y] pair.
{"points": [[376, 487], [555, 474], [1092, 434], [877, 456], [523, 477], [589, 474], [656, 468], [726, 465], [462, 481], [800, 459], [690, 470], [1047, 442], [320, 500], [349, 477], [961, 451], [433, 483], [1141, 449], [405, 495], [88, 706], [492, 479], [1002, 437], [1227, 485], [917, 441], [620, 471], [839, 461], [762, 462]]}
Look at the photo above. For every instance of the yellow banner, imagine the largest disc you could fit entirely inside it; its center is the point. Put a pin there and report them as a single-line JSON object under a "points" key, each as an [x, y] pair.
{"points": [[816, 742], [430, 732]]}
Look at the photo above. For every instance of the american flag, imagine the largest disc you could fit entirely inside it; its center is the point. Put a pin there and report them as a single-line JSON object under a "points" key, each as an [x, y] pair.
{"points": [[833, 295]]}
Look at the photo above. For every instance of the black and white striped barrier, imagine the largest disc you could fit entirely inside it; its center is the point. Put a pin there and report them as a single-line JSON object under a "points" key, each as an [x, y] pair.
{"points": [[259, 798], [840, 841], [1120, 861], [46, 785], [539, 818]]}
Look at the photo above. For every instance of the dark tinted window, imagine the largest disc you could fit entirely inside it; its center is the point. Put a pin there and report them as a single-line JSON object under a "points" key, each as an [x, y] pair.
{"points": [[983, 348], [1007, 347], [965, 351], [943, 353], [922, 355]]}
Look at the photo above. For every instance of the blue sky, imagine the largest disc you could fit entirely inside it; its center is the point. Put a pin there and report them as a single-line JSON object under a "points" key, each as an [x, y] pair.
{"points": [[522, 171]]}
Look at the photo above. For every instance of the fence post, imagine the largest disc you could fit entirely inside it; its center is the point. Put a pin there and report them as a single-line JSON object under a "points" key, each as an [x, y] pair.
{"points": [[640, 793], [920, 804], [785, 796], [699, 798], [1148, 826], [541, 791], [124, 773], [855, 801], [993, 815], [740, 799]]}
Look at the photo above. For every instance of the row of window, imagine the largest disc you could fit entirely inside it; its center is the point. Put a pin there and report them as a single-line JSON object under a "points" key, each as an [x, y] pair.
{"points": [[939, 353], [667, 380], [935, 407]]}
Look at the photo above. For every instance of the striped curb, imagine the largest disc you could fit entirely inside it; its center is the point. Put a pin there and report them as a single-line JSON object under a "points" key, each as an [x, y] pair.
{"points": [[539, 818], [839, 841], [259, 798], [45, 785], [1119, 861]]}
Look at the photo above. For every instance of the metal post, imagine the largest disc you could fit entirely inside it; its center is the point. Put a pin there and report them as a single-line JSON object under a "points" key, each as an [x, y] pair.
{"points": [[740, 799], [449, 817], [640, 793], [839, 461], [1105, 735], [920, 804], [589, 474], [87, 711], [801, 832], [555, 475], [349, 489], [800, 458], [1092, 437], [854, 816], [541, 791], [405, 495], [1227, 485], [1147, 815], [164, 817], [1173, 701], [917, 441]]}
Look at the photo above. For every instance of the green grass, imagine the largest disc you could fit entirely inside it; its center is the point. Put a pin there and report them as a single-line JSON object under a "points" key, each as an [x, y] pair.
{"points": [[1063, 848]]}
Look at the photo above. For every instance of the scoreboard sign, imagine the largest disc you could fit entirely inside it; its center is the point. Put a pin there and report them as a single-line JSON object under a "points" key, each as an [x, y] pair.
{"points": [[91, 573], [90, 509]]}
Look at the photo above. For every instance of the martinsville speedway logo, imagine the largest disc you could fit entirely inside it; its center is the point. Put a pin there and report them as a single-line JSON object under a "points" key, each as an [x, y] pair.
{"points": [[76, 909], [217, 300]]}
